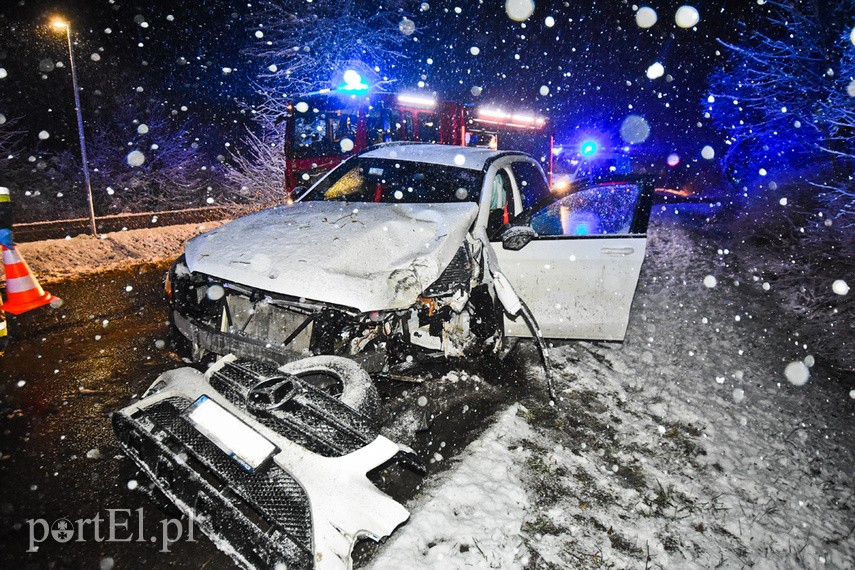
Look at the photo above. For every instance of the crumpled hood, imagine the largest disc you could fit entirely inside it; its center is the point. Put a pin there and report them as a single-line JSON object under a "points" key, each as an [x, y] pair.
{"points": [[366, 256]]}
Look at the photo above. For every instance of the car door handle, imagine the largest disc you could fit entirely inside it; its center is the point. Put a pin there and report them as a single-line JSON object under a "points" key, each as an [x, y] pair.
{"points": [[618, 250]]}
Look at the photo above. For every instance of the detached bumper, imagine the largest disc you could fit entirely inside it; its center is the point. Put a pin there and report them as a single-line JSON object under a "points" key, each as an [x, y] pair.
{"points": [[304, 504]]}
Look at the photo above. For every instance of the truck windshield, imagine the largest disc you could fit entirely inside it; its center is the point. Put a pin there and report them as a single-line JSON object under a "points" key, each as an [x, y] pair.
{"points": [[387, 180]]}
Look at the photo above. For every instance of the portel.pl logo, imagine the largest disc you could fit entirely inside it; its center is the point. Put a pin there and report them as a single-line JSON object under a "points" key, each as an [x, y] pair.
{"points": [[118, 526]]}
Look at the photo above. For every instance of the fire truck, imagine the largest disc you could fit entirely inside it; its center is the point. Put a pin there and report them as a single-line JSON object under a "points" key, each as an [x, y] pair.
{"points": [[325, 128]]}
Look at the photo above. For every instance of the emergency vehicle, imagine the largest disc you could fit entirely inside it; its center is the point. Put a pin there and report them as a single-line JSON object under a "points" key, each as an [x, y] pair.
{"points": [[325, 128]]}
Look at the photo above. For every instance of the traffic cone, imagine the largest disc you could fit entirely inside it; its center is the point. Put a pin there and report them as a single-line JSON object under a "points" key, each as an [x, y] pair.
{"points": [[23, 292]]}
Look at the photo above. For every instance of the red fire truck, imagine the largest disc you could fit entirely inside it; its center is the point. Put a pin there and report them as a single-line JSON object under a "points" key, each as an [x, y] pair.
{"points": [[325, 128]]}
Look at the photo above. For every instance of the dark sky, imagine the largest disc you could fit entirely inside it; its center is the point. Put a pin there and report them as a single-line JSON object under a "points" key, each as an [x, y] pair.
{"points": [[593, 60]]}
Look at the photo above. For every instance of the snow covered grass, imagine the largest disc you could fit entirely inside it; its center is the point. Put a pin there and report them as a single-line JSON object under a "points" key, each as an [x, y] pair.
{"points": [[57, 259], [683, 447], [472, 514], [801, 247]]}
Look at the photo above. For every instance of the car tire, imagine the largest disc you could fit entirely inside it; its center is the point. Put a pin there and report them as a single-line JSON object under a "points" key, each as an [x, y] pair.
{"points": [[340, 377]]}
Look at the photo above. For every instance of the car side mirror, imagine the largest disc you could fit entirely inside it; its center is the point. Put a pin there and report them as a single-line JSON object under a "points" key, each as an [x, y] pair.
{"points": [[517, 237]]}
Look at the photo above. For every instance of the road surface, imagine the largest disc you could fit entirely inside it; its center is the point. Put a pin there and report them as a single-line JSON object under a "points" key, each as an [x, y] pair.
{"points": [[68, 369]]}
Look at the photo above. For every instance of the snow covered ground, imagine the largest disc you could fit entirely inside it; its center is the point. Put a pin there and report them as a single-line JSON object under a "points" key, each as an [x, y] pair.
{"points": [[686, 446], [56, 259]]}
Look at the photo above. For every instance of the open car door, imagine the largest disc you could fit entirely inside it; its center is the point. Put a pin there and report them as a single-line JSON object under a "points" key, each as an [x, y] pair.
{"points": [[578, 275]]}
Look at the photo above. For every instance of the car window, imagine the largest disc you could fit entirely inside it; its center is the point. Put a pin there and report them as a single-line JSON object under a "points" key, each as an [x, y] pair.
{"points": [[310, 136], [596, 210], [385, 125], [428, 127], [531, 183], [342, 126], [500, 196], [408, 133], [386, 180]]}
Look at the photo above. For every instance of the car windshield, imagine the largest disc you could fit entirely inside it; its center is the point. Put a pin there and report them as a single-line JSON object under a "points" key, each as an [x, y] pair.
{"points": [[388, 180]]}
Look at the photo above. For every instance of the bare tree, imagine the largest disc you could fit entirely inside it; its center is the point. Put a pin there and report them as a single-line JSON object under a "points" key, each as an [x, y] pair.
{"points": [[143, 155], [786, 99], [769, 95], [837, 112], [11, 137], [302, 48], [305, 47], [259, 171]]}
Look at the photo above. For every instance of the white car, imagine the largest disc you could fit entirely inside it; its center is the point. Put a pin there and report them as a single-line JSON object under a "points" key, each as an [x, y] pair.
{"points": [[406, 249]]}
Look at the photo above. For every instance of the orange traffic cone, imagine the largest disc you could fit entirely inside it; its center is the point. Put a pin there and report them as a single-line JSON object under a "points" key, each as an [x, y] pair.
{"points": [[23, 292]]}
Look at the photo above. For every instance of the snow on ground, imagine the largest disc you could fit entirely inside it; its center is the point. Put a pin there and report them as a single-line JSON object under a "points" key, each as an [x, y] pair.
{"points": [[57, 259], [471, 512], [683, 447]]}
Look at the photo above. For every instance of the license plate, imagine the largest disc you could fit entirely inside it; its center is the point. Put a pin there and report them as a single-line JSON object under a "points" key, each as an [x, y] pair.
{"points": [[238, 440]]}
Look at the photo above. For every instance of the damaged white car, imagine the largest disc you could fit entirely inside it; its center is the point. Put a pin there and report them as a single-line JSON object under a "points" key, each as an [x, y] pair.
{"points": [[412, 249]]}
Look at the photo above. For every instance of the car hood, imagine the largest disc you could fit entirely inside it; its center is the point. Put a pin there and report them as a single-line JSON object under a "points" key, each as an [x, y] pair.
{"points": [[365, 256]]}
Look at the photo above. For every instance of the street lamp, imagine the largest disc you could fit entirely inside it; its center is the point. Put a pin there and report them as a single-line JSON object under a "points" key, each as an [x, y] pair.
{"points": [[59, 24]]}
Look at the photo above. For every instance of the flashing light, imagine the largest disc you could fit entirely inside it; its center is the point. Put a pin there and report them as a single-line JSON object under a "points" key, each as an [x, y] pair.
{"points": [[499, 117], [59, 23], [353, 83], [492, 114], [428, 102], [562, 183], [352, 78], [588, 148]]}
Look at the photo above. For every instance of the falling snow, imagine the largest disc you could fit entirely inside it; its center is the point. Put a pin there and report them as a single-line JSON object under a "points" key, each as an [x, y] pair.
{"points": [[646, 17], [520, 10], [686, 16], [135, 158], [797, 373]]}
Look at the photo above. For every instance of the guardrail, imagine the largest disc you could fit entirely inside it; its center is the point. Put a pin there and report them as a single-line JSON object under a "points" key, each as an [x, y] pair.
{"points": [[60, 229]]}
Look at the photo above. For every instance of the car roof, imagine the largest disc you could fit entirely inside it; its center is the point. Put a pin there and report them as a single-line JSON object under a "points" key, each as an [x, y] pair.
{"points": [[472, 158]]}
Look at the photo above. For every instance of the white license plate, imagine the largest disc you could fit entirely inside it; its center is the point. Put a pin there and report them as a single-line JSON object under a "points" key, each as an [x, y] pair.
{"points": [[231, 434]]}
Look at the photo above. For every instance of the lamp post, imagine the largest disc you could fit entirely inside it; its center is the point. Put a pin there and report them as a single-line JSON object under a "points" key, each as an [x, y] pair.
{"points": [[59, 24]]}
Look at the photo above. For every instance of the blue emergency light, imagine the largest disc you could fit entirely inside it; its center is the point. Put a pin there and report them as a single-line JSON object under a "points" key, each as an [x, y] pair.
{"points": [[353, 83], [588, 148]]}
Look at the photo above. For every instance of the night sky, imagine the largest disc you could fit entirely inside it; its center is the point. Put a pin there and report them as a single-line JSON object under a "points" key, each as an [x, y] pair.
{"points": [[592, 59]]}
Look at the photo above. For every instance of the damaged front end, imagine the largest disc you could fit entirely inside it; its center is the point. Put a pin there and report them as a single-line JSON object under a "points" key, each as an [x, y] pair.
{"points": [[270, 468], [456, 315]]}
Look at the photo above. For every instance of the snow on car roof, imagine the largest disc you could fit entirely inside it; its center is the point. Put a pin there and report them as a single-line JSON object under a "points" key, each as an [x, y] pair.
{"points": [[446, 155]]}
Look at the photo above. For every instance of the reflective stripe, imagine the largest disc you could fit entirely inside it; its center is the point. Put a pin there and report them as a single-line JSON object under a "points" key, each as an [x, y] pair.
{"points": [[10, 256], [20, 284], [5, 198], [2, 328]]}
